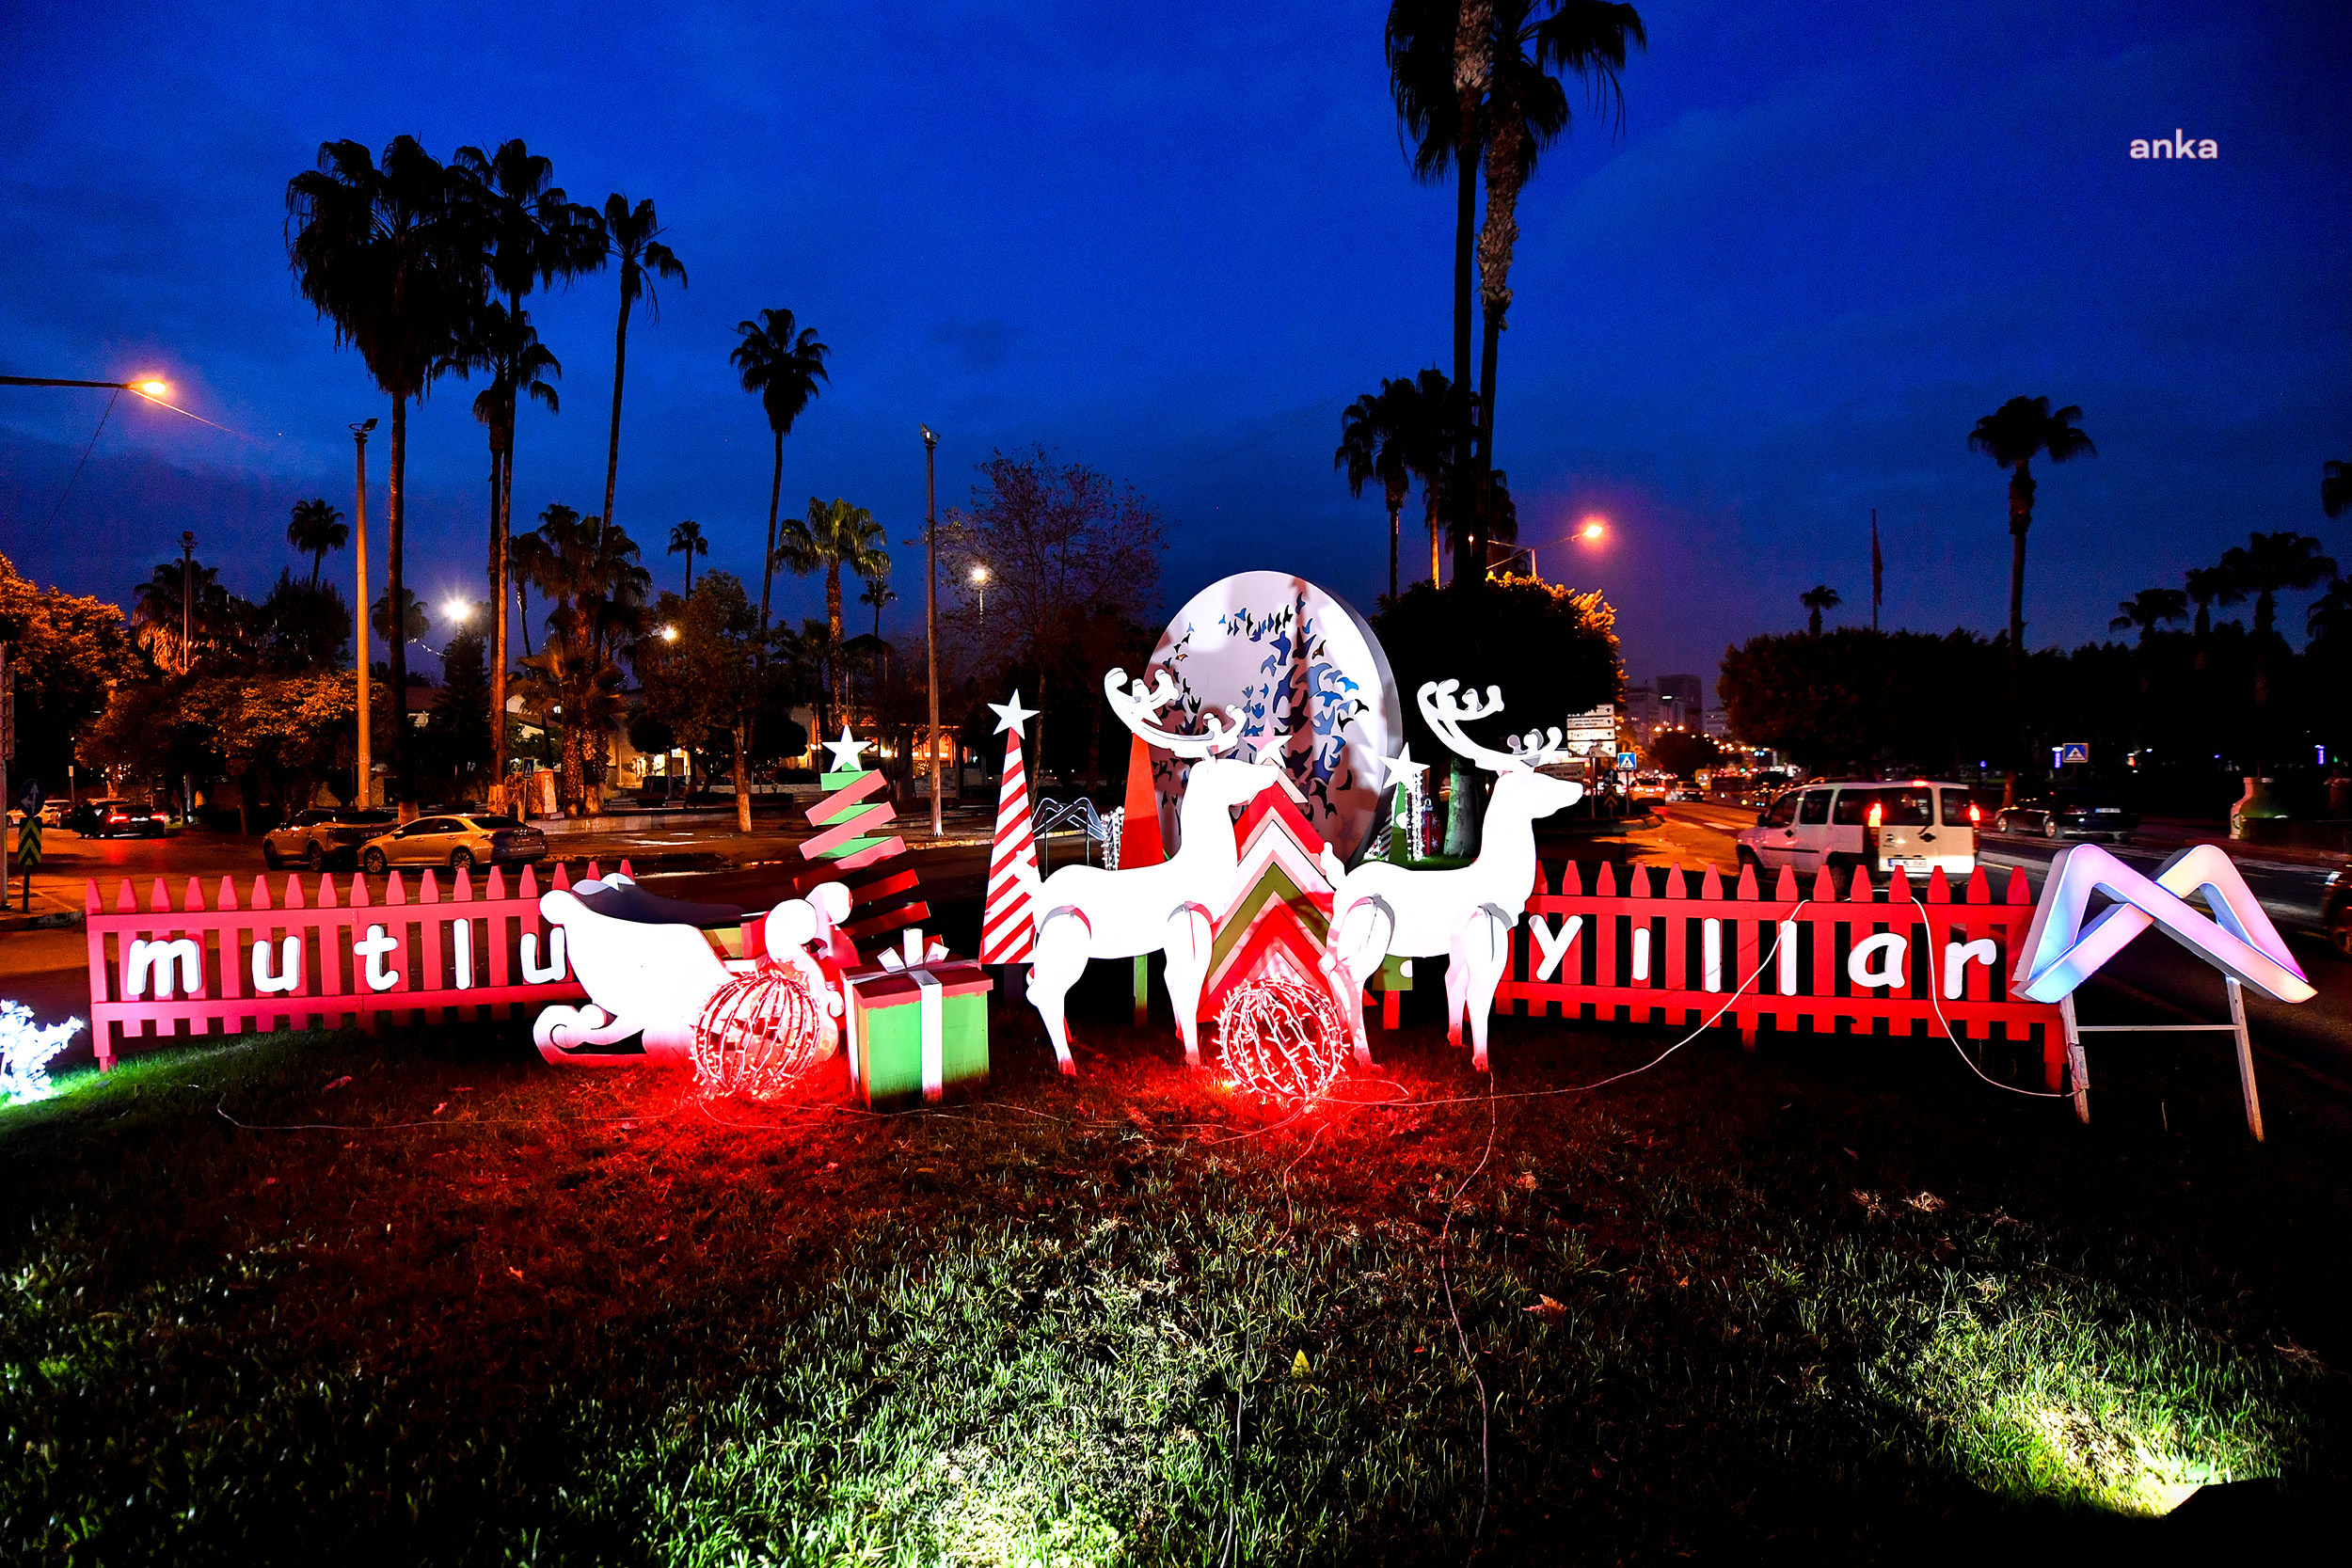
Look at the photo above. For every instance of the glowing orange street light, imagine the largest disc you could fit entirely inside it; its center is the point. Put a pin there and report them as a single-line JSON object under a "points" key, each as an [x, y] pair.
{"points": [[1594, 531], [151, 389]]}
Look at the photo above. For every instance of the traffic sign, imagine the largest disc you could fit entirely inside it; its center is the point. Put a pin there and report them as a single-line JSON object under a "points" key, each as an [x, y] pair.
{"points": [[2074, 750], [28, 839], [1628, 762]]}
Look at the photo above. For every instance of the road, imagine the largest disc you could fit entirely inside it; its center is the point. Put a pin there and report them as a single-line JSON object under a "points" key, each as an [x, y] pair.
{"points": [[2152, 981]]}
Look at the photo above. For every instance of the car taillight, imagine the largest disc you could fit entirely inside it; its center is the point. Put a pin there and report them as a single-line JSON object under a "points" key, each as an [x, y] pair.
{"points": [[118, 816], [1975, 815], [1878, 814]]}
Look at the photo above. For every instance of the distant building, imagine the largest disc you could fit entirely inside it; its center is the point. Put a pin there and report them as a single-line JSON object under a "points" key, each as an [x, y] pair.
{"points": [[1716, 725], [1643, 712], [1683, 700]]}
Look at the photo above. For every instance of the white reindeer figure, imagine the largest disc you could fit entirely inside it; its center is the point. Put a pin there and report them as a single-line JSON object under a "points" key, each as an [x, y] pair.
{"points": [[1087, 911], [1466, 913]]}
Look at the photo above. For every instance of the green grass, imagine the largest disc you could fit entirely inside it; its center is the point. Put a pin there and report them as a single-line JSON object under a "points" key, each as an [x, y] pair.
{"points": [[1826, 1302]]}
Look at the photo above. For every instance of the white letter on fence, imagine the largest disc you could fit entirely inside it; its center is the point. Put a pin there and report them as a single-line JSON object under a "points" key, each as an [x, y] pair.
{"points": [[461, 938], [289, 975], [1956, 964], [533, 973], [157, 959], [1553, 948], [1788, 958], [1711, 955], [1858, 968], [370, 951], [1641, 951]]}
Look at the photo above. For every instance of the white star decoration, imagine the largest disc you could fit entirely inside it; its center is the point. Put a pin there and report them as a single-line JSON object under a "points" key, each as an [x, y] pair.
{"points": [[1402, 769], [1011, 716], [845, 751]]}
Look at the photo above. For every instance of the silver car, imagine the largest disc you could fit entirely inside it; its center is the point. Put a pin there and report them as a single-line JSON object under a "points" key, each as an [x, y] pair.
{"points": [[455, 842], [323, 835]]}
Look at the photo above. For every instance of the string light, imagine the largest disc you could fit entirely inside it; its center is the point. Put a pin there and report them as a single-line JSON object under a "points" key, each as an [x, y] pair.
{"points": [[27, 1050], [756, 1035], [1281, 1039]]}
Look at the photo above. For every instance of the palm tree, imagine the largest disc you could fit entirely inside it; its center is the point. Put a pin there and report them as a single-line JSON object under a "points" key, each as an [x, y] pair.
{"points": [[413, 621], [2207, 584], [2335, 488], [2013, 435], [2329, 618], [877, 593], [535, 236], [2148, 610], [632, 236], [1427, 414], [529, 560], [315, 529], [387, 255], [687, 540], [1371, 448], [782, 363], [2266, 566], [1425, 79], [519, 364], [835, 534], [1525, 109], [592, 572], [1819, 597], [156, 618]]}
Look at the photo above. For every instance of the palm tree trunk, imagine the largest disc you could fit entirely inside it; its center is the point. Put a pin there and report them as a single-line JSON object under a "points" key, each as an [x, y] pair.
{"points": [[1394, 506], [501, 511], [1433, 548], [613, 446], [1465, 250], [2020, 519], [395, 536], [522, 612], [318, 560], [768, 563], [1495, 247], [742, 773], [832, 620]]}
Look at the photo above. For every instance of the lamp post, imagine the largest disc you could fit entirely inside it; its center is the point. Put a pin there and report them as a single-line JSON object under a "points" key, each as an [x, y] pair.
{"points": [[187, 594], [930, 601], [979, 582], [360, 539]]}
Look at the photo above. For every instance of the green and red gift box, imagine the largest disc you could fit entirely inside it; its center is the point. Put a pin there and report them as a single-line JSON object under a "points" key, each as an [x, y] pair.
{"points": [[917, 1025]]}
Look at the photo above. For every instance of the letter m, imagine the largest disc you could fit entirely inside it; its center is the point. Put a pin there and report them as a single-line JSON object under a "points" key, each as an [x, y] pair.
{"points": [[157, 959]]}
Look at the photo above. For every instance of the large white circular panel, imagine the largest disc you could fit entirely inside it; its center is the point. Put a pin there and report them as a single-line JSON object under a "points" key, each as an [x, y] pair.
{"points": [[1313, 686]]}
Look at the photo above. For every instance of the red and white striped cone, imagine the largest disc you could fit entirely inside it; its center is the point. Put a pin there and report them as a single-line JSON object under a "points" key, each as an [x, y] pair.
{"points": [[1009, 926]]}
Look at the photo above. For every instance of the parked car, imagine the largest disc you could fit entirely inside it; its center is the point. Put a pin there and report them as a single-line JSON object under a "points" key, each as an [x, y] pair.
{"points": [[116, 820], [2073, 812], [323, 835], [52, 815], [456, 842], [1922, 824], [2335, 910]]}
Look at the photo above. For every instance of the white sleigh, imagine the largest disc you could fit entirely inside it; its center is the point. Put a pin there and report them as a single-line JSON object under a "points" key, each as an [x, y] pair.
{"points": [[649, 970]]}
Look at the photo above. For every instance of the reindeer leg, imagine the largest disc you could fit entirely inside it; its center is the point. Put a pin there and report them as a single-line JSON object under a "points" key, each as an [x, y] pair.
{"points": [[1360, 940], [1187, 967], [1456, 978], [1487, 947], [1059, 958]]}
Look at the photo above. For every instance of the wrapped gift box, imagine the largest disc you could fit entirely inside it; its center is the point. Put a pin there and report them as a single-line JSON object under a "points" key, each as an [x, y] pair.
{"points": [[918, 1024]]}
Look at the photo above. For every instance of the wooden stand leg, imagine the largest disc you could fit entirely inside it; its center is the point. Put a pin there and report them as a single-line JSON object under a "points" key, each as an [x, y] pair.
{"points": [[2078, 1064], [1391, 1001], [2245, 1059], [1143, 987]]}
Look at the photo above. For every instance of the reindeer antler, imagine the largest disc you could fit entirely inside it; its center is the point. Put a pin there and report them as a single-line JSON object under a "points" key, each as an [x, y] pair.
{"points": [[1137, 707], [1447, 715]]}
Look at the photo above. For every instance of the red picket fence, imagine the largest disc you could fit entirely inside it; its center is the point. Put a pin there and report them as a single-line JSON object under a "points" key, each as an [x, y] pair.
{"points": [[440, 973], [1671, 959]]}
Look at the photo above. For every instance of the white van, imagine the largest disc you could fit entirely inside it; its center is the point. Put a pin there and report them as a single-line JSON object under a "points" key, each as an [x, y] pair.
{"points": [[1923, 825]]}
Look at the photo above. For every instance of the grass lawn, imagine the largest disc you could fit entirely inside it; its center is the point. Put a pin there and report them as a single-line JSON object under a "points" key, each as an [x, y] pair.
{"points": [[1830, 1301]]}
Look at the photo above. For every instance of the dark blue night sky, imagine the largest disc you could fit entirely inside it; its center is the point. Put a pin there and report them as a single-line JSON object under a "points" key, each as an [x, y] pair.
{"points": [[1175, 241]]}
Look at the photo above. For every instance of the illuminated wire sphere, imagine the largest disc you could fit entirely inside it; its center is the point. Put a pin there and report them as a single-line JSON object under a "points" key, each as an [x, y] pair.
{"points": [[1281, 1039], [756, 1035]]}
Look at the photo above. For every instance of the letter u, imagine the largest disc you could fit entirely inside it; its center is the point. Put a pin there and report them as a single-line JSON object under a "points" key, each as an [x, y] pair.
{"points": [[533, 973], [289, 975]]}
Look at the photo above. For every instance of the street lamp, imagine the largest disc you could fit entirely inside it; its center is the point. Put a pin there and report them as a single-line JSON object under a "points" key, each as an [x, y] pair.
{"points": [[359, 612], [1594, 530], [669, 634], [931, 600], [980, 582], [150, 387], [458, 610], [187, 594]]}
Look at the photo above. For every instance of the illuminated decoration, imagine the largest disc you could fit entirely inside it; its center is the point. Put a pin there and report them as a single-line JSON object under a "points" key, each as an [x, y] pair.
{"points": [[311, 955], [1407, 775], [1008, 921], [1380, 910], [2061, 952], [917, 1025], [757, 1034], [1283, 1039], [1137, 833], [1310, 683], [847, 833], [26, 1049], [1086, 912], [1275, 925], [650, 968]]}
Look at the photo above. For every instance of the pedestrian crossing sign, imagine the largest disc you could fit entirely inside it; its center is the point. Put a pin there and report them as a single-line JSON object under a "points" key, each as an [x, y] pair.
{"points": [[2074, 750]]}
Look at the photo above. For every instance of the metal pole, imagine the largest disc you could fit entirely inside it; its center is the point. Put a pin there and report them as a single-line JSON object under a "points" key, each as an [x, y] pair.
{"points": [[360, 539], [930, 601], [2245, 1057], [187, 594]]}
